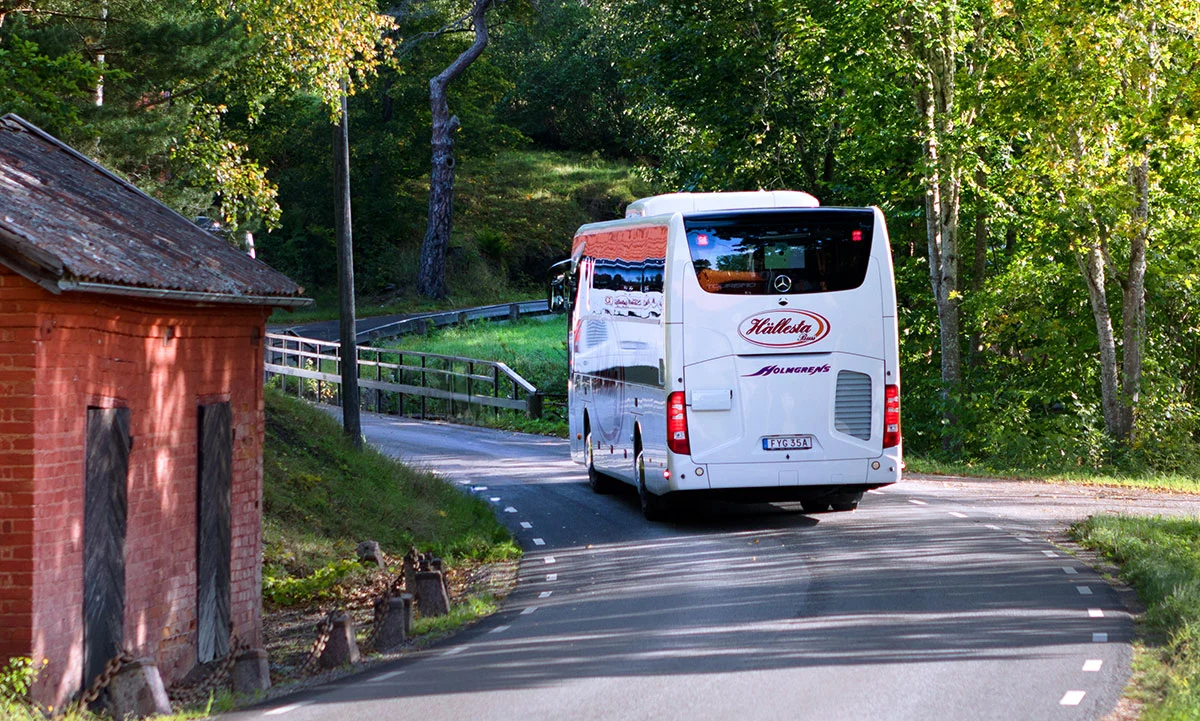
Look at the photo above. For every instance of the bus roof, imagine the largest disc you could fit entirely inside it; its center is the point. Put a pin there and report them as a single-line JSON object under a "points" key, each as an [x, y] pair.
{"points": [[705, 202]]}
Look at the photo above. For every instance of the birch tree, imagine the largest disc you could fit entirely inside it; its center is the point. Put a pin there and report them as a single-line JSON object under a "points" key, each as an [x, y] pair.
{"points": [[1118, 93]]}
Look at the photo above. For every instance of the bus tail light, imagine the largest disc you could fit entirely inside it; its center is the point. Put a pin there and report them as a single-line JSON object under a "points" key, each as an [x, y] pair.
{"points": [[677, 430], [891, 416]]}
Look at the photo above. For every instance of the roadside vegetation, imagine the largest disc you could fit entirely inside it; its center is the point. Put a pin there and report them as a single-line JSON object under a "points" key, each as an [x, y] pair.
{"points": [[536, 348], [322, 496], [1160, 558]]}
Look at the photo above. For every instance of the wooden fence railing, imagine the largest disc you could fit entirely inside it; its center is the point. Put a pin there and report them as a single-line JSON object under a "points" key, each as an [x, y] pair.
{"points": [[421, 385]]}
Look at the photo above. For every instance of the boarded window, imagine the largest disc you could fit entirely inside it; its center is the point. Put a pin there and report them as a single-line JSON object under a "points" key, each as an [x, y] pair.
{"points": [[213, 541], [104, 513]]}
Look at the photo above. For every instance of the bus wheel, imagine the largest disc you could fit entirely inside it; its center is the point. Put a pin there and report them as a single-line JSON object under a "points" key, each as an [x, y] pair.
{"points": [[654, 508], [845, 502], [599, 482]]}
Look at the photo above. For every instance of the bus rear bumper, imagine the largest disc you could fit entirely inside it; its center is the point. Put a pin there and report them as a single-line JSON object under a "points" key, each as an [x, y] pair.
{"points": [[788, 480]]}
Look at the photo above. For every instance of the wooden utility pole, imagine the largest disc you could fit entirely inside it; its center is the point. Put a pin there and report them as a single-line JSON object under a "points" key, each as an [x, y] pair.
{"points": [[351, 423]]}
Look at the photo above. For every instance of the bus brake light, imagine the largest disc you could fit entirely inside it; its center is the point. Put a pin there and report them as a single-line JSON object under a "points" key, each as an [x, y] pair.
{"points": [[677, 430], [891, 416]]}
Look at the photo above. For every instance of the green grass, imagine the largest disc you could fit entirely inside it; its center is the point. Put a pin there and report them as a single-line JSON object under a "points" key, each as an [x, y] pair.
{"points": [[322, 496], [1097, 477], [535, 348], [1160, 558]]}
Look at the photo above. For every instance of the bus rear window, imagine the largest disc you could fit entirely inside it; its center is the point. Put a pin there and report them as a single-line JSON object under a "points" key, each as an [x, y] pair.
{"points": [[773, 252]]}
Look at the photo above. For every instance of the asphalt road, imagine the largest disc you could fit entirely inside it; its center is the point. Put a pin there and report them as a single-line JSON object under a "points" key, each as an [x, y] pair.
{"points": [[937, 599]]}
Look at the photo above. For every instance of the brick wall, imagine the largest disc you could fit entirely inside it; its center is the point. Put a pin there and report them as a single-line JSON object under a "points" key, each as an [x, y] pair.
{"points": [[17, 353], [160, 360]]}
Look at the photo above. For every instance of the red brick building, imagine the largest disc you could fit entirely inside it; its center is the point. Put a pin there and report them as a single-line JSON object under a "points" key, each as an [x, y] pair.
{"points": [[131, 422]]}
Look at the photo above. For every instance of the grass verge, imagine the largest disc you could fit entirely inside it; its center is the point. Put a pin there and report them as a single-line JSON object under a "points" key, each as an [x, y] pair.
{"points": [[322, 496], [536, 348], [1098, 477], [1160, 558]]}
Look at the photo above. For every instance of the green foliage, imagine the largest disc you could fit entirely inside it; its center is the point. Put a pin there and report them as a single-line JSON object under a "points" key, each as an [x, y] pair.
{"points": [[50, 92], [16, 679], [322, 496], [1160, 557], [283, 589]]}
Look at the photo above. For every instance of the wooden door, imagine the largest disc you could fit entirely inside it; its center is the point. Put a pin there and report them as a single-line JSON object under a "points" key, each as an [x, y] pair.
{"points": [[213, 541], [105, 489]]}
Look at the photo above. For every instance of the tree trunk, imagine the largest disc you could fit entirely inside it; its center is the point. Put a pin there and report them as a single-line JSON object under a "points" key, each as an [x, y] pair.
{"points": [[431, 279], [351, 423], [943, 190], [1133, 315], [1091, 264]]}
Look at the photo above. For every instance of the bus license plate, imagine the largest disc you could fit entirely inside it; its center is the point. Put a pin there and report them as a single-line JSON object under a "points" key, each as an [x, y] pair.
{"points": [[787, 443]]}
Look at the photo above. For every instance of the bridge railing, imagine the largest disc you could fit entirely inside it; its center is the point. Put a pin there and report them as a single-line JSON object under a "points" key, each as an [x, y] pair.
{"points": [[399, 382]]}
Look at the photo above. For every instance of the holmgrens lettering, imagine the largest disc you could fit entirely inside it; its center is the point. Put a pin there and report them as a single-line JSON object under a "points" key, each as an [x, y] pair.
{"points": [[774, 370]]}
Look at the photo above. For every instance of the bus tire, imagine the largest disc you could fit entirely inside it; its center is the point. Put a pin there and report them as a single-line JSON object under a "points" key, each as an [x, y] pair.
{"points": [[599, 482], [654, 508], [845, 502], [814, 506]]}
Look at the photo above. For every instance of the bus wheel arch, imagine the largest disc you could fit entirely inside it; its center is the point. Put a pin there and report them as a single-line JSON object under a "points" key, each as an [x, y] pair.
{"points": [[599, 482], [654, 507]]}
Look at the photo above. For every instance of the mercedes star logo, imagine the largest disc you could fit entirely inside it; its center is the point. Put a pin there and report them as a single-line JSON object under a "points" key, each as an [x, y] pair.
{"points": [[783, 283]]}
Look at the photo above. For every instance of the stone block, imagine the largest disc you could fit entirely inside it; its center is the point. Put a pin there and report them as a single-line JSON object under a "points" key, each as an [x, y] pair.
{"points": [[342, 647], [369, 552], [251, 672], [432, 599], [393, 627], [137, 691]]}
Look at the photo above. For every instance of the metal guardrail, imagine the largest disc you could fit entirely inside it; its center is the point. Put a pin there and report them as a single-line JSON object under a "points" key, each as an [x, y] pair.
{"points": [[423, 385], [424, 323]]}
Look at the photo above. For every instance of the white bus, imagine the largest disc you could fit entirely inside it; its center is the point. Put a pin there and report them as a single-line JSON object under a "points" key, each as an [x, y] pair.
{"points": [[742, 345]]}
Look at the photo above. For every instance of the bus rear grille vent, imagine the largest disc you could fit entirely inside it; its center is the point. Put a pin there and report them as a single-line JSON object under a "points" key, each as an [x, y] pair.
{"points": [[852, 405]]}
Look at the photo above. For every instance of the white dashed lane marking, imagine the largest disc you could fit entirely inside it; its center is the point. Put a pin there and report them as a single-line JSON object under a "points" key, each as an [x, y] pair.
{"points": [[285, 709], [551, 576], [455, 650], [478, 488], [499, 629], [1095, 613], [1024, 539], [1099, 638], [385, 676], [992, 526], [549, 559], [1072, 698], [1084, 590], [1070, 571], [494, 499], [956, 514], [529, 610], [539, 541], [526, 525], [545, 594], [510, 509], [1092, 665], [917, 502], [1049, 554]]}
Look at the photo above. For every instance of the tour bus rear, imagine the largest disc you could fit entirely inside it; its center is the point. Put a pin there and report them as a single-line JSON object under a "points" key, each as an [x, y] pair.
{"points": [[788, 382]]}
